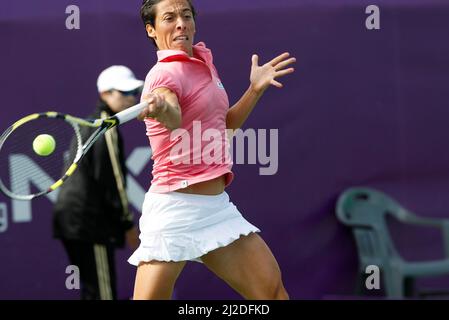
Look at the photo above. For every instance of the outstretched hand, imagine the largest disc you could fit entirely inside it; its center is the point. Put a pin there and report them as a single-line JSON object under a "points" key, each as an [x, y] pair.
{"points": [[264, 76]]}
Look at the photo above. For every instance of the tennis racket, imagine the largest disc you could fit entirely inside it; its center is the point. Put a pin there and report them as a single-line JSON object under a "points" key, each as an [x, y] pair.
{"points": [[25, 175]]}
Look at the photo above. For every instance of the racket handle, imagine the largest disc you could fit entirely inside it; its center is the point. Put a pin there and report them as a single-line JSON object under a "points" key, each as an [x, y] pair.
{"points": [[131, 112]]}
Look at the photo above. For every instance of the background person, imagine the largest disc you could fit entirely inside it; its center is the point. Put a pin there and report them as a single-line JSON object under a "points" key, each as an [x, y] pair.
{"points": [[91, 215]]}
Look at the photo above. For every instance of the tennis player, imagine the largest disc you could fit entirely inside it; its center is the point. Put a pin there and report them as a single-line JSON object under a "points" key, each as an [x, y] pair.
{"points": [[187, 215]]}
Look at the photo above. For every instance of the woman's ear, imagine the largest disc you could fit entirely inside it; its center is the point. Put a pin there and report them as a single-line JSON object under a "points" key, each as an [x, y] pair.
{"points": [[151, 32]]}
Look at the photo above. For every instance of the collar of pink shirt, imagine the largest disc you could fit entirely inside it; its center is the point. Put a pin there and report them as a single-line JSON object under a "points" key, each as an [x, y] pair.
{"points": [[199, 50]]}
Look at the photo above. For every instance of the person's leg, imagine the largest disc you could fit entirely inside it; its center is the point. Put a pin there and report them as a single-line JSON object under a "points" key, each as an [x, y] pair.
{"points": [[81, 254], [249, 267], [103, 269], [112, 274], [97, 269], [155, 280]]}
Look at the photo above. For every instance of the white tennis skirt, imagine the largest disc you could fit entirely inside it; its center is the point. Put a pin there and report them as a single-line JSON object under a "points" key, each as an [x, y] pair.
{"points": [[176, 226]]}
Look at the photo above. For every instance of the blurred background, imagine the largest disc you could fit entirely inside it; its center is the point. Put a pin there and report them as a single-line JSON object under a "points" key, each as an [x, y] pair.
{"points": [[364, 108]]}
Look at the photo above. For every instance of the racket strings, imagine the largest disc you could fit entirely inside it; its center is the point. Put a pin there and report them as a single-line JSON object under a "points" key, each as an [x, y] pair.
{"points": [[24, 172]]}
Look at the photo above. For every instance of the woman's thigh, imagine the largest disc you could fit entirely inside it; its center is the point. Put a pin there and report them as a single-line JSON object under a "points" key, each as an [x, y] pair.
{"points": [[249, 267], [156, 279]]}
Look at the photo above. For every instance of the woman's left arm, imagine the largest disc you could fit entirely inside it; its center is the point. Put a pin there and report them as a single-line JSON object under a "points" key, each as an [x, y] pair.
{"points": [[261, 78]]}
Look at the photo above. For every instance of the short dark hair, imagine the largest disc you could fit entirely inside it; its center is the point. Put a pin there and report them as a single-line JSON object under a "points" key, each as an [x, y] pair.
{"points": [[148, 13]]}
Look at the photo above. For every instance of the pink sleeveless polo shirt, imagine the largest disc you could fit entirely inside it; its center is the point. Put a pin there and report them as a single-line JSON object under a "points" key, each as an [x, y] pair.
{"points": [[199, 150]]}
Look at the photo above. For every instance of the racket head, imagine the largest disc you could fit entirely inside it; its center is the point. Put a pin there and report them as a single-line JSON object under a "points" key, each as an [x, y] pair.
{"points": [[24, 174]]}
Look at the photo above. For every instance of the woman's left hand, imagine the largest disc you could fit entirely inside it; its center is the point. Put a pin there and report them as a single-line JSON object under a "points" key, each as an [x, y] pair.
{"points": [[264, 76]]}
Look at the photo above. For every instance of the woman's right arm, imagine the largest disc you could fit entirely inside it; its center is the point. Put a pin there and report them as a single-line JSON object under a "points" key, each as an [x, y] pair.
{"points": [[163, 107]]}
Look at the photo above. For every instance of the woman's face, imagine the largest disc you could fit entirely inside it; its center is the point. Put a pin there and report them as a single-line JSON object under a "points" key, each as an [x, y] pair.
{"points": [[174, 26]]}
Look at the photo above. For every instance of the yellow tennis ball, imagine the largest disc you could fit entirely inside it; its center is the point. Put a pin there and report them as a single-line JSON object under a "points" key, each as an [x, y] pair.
{"points": [[44, 145]]}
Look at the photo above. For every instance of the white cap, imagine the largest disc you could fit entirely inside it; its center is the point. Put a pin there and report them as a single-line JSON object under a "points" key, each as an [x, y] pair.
{"points": [[119, 78]]}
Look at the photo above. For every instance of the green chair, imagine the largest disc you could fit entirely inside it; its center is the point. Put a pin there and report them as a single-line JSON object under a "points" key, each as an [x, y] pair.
{"points": [[365, 211]]}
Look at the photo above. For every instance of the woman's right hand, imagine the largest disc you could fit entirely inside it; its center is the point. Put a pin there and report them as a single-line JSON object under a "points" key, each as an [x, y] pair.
{"points": [[156, 106], [163, 107]]}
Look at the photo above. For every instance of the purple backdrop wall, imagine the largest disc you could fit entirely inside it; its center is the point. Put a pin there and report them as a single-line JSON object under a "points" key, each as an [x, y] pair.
{"points": [[364, 108]]}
